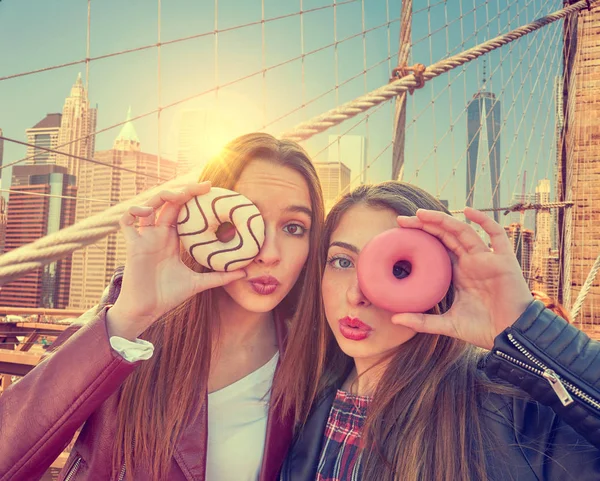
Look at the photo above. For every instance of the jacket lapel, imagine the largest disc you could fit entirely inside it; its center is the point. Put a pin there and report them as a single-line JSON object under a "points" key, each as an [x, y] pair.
{"points": [[303, 459], [280, 426], [190, 450]]}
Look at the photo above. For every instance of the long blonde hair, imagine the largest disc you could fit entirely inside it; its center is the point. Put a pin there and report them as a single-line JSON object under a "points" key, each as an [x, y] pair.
{"points": [[424, 421], [164, 393]]}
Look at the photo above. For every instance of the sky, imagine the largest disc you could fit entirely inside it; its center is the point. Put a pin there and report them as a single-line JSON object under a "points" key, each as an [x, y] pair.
{"points": [[278, 79]]}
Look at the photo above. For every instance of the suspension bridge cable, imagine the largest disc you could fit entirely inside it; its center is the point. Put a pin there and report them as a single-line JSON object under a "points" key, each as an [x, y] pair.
{"points": [[489, 114], [361, 104], [89, 59], [522, 122], [585, 289], [521, 206]]}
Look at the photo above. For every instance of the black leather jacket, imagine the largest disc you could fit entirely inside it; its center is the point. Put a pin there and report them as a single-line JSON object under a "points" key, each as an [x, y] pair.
{"points": [[552, 436]]}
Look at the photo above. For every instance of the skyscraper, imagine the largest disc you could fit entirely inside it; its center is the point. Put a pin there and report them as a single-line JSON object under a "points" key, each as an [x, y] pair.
{"points": [[77, 127], [43, 134], [44, 204], [335, 180], [3, 222], [3, 218], [543, 238], [351, 150], [99, 188], [1, 151], [522, 243], [484, 119]]}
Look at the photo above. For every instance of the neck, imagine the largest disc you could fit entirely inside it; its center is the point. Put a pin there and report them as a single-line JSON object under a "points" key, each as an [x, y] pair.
{"points": [[239, 327], [366, 374]]}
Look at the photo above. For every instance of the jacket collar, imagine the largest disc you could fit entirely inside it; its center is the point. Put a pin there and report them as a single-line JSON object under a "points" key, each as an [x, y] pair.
{"points": [[191, 447]]}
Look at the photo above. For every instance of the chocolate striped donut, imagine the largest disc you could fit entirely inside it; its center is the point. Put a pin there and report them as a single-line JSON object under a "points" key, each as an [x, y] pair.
{"points": [[201, 217]]}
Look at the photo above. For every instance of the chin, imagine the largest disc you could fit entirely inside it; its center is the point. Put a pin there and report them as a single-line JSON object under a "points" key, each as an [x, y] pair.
{"points": [[259, 305], [356, 349]]}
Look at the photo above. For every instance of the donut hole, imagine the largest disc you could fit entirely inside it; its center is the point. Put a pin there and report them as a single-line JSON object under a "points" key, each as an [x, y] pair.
{"points": [[402, 269], [225, 232]]}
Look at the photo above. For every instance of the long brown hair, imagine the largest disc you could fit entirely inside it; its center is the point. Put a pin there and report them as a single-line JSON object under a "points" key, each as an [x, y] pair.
{"points": [[423, 423], [164, 393], [553, 305]]}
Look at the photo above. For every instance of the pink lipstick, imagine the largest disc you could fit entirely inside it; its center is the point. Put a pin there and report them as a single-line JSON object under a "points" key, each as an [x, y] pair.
{"points": [[354, 329], [264, 285]]}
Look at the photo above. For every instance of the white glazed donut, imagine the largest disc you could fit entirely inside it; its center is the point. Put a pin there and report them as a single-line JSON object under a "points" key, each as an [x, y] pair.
{"points": [[200, 218]]}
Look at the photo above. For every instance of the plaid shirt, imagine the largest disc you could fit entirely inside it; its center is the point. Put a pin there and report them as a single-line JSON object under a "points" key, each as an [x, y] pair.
{"points": [[340, 456]]}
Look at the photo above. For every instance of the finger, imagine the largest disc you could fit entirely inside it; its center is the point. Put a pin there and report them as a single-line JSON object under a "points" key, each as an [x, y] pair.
{"points": [[210, 280], [425, 323], [129, 219], [454, 230], [174, 200], [147, 216], [498, 237], [410, 222], [448, 240]]}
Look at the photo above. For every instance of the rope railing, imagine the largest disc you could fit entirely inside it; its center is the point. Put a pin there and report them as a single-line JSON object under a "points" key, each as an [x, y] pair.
{"points": [[62, 243], [55, 246]]}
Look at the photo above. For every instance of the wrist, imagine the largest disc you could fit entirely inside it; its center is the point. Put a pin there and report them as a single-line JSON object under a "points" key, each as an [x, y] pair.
{"points": [[125, 324]]}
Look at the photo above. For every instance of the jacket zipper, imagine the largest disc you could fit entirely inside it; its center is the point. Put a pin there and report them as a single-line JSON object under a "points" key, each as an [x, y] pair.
{"points": [[560, 387], [73, 469]]}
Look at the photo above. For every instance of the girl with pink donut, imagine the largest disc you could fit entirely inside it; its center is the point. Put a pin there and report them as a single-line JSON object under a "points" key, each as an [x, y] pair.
{"points": [[440, 365]]}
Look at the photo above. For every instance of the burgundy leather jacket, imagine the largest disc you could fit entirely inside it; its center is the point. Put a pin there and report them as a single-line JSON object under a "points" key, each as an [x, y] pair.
{"points": [[77, 383]]}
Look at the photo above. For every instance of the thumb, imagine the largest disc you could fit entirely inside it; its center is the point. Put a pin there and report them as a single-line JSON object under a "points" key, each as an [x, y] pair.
{"points": [[210, 280], [425, 323]]}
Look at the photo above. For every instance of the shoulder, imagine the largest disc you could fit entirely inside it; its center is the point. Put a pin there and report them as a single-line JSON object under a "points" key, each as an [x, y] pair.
{"points": [[532, 438]]}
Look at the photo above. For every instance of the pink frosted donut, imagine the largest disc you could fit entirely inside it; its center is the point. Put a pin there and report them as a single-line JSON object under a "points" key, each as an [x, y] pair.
{"points": [[222, 230], [404, 270]]}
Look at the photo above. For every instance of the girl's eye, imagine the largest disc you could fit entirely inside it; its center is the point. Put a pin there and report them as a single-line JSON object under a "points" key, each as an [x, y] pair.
{"points": [[340, 263], [295, 229]]}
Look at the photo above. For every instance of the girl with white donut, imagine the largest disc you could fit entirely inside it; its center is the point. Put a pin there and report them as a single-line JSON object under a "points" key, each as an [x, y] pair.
{"points": [[180, 374], [487, 385]]}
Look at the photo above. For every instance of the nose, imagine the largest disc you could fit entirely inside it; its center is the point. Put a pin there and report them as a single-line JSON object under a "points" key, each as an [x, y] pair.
{"points": [[355, 296], [269, 254]]}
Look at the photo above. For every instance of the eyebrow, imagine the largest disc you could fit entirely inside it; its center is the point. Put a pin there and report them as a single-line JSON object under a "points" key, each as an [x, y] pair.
{"points": [[345, 245], [299, 208]]}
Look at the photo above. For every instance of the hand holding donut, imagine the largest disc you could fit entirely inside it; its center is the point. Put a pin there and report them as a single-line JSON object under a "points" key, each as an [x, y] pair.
{"points": [[491, 292], [155, 279]]}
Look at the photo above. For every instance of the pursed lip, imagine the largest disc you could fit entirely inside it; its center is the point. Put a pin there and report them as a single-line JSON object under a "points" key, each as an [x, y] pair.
{"points": [[264, 285], [354, 329]]}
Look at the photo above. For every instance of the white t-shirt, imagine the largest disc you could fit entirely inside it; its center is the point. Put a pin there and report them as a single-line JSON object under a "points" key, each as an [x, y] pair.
{"points": [[237, 424], [237, 417]]}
